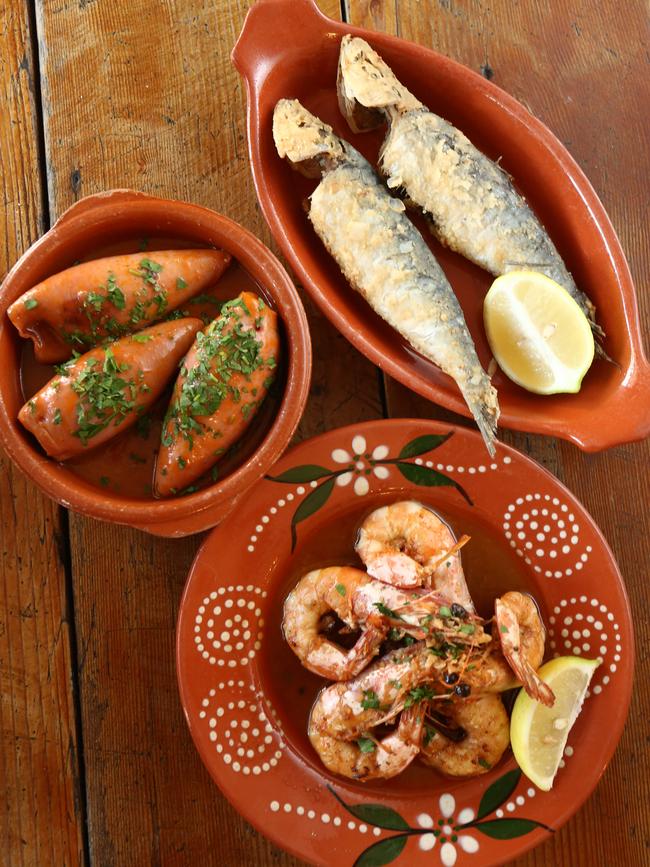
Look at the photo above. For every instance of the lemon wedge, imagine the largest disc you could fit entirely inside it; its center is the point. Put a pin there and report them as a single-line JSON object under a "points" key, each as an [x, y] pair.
{"points": [[538, 733], [539, 336]]}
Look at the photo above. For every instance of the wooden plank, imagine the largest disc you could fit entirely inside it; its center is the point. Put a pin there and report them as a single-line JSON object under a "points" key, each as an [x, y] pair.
{"points": [[144, 95], [584, 73], [42, 816]]}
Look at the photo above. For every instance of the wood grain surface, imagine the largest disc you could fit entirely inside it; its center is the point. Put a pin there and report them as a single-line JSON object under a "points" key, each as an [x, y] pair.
{"points": [[41, 809], [97, 764]]}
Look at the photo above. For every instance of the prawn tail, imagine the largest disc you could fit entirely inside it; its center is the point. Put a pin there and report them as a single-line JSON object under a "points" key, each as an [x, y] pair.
{"points": [[366, 647], [536, 687]]}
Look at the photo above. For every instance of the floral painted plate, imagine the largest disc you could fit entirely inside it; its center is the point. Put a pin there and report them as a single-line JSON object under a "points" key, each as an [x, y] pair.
{"points": [[247, 698]]}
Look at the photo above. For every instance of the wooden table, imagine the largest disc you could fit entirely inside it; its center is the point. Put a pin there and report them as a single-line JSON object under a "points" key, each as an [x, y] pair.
{"points": [[96, 764]]}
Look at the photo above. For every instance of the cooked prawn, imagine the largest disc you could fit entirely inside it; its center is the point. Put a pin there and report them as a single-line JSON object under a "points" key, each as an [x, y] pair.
{"points": [[466, 737], [522, 635], [514, 654], [367, 758], [408, 545], [362, 603]]}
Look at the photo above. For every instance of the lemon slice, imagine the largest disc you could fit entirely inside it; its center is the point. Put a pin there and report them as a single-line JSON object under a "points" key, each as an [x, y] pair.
{"points": [[538, 733], [539, 336]]}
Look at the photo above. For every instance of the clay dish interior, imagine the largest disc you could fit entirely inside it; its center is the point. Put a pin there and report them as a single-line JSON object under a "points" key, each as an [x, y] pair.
{"points": [[113, 222], [611, 407]]}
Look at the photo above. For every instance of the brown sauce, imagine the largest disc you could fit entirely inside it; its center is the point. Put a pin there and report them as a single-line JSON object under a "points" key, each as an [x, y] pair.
{"points": [[491, 568], [125, 465]]}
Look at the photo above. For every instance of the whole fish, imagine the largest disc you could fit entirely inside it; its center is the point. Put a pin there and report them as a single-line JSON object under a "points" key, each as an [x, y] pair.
{"points": [[383, 255], [470, 202]]}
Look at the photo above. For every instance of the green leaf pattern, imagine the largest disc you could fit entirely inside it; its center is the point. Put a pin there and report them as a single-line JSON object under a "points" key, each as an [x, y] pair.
{"points": [[361, 466], [451, 834]]}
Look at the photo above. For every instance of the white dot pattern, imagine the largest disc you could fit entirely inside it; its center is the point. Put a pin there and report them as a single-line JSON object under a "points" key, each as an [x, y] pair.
{"points": [[544, 531], [325, 818], [228, 626], [590, 630], [231, 709]]}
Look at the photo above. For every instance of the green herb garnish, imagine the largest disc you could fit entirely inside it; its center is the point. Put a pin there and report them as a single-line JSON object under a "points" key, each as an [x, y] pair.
{"points": [[366, 745], [386, 611], [30, 303], [418, 694], [370, 700], [57, 416], [105, 395], [223, 350], [180, 283], [340, 589]]}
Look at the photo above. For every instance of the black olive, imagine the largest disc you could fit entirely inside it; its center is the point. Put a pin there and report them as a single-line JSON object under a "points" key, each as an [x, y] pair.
{"points": [[450, 677], [458, 611], [462, 689]]}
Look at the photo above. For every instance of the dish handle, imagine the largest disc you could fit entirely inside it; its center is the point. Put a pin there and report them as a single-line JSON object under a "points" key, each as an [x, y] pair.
{"points": [[263, 37]]}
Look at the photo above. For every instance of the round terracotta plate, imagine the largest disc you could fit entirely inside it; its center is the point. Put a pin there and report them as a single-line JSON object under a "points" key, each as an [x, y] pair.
{"points": [[611, 406], [247, 698]]}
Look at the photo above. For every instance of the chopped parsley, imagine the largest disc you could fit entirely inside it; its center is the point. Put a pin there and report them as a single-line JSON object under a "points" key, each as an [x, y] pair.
{"points": [[224, 349], [180, 283], [105, 395], [142, 338], [30, 303], [484, 764], [57, 416], [114, 293], [503, 629], [418, 694], [429, 734], [340, 589], [386, 611], [370, 700], [366, 745]]}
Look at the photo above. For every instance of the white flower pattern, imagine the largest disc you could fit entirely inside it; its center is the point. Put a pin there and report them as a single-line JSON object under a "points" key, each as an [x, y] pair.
{"points": [[447, 831], [361, 464]]}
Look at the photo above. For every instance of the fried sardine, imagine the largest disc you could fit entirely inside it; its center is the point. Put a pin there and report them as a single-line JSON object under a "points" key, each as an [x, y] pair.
{"points": [[471, 203], [383, 255]]}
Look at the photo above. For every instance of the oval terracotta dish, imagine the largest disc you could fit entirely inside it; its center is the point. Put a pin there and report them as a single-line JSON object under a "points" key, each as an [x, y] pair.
{"points": [[247, 698], [612, 406], [117, 218]]}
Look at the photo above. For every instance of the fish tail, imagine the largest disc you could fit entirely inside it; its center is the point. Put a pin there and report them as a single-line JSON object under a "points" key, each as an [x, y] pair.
{"points": [[484, 406]]}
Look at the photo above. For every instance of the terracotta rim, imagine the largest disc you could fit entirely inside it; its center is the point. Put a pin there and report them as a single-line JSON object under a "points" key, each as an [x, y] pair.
{"points": [[62, 486]]}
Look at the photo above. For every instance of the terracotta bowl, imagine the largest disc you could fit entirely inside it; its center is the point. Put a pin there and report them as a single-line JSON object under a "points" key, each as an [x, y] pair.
{"points": [[612, 406], [113, 218]]}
